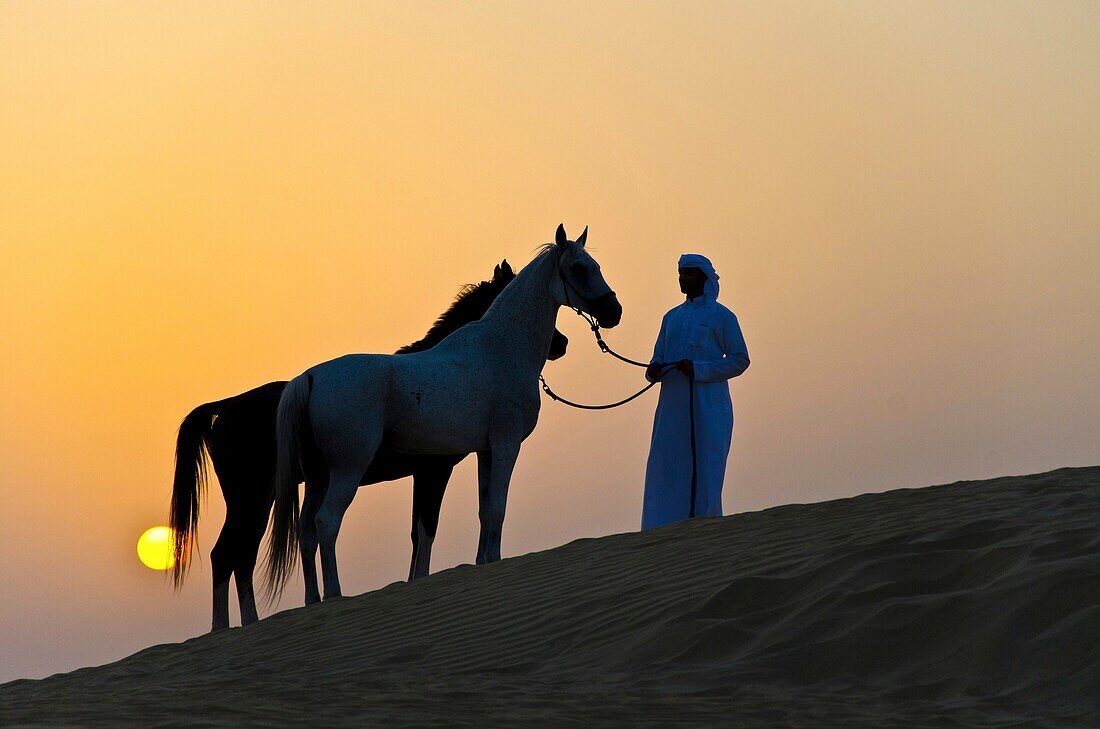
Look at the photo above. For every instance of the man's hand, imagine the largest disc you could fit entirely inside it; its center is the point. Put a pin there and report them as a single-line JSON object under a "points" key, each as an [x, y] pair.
{"points": [[686, 366], [653, 372]]}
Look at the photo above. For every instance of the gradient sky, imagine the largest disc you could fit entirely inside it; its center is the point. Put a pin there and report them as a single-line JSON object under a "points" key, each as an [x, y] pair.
{"points": [[901, 199]]}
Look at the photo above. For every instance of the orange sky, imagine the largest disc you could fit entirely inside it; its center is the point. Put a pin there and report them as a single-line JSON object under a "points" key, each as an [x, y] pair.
{"points": [[901, 200]]}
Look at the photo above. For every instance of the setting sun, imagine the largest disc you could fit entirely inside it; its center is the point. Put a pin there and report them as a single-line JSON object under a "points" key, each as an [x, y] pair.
{"points": [[154, 548]]}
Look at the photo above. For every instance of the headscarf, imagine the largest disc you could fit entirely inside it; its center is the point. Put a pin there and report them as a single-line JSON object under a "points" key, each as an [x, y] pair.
{"points": [[694, 260]]}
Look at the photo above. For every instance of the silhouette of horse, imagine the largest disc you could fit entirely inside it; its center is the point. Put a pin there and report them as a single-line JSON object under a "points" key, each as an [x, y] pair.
{"points": [[476, 391], [238, 434]]}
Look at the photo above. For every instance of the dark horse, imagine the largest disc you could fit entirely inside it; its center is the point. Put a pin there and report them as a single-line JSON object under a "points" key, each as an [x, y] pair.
{"points": [[238, 433]]}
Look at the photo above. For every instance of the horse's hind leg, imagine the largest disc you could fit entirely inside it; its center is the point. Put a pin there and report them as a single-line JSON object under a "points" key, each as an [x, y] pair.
{"points": [[429, 485], [307, 536], [235, 463], [342, 485], [253, 522], [221, 565]]}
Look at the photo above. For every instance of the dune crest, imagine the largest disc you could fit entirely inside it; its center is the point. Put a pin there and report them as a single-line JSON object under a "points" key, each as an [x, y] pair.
{"points": [[976, 603]]}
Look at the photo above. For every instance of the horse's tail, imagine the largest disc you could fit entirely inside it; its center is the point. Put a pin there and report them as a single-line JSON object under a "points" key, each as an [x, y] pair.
{"points": [[291, 426], [189, 483]]}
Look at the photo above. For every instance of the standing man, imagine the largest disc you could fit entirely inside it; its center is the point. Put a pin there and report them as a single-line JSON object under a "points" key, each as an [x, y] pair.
{"points": [[700, 347]]}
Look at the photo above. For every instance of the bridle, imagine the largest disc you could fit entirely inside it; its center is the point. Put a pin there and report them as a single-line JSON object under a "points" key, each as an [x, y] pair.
{"points": [[567, 285], [595, 327]]}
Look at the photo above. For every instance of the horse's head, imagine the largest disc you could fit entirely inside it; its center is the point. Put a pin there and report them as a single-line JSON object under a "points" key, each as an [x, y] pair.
{"points": [[580, 284], [558, 344]]}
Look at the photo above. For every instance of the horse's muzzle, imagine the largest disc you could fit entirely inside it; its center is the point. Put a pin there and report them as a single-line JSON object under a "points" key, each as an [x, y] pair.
{"points": [[558, 344], [607, 310]]}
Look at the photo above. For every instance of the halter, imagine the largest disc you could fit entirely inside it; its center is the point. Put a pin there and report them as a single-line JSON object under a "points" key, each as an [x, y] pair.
{"points": [[595, 327], [567, 285], [592, 323]]}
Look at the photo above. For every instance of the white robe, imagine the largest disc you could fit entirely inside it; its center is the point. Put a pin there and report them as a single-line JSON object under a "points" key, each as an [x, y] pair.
{"points": [[708, 334]]}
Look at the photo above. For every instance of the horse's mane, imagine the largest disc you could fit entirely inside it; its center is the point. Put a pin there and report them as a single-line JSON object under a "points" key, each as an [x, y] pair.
{"points": [[470, 304], [545, 249]]}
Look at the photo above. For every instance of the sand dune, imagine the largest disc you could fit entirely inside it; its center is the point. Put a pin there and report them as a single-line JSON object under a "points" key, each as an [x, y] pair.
{"points": [[971, 604]]}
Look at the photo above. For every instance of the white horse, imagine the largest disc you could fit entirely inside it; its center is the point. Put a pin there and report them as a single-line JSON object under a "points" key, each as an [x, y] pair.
{"points": [[476, 391]]}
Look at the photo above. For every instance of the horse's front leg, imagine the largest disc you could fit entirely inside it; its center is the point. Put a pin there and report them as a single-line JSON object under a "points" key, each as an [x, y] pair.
{"points": [[429, 485], [494, 472]]}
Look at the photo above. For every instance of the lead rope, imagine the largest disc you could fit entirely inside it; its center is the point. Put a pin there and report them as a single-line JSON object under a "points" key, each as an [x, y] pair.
{"points": [[558, 398], [691, 414], [595, 327], [666, 367]]}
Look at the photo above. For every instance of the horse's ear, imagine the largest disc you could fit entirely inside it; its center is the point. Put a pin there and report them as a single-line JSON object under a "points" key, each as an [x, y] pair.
{"points": [[559, 236], [496, 271], [583, 238], [505, 268]]}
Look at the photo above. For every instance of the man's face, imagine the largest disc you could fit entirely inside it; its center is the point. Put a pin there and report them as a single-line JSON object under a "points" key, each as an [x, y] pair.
{"points": [[692, 281]]}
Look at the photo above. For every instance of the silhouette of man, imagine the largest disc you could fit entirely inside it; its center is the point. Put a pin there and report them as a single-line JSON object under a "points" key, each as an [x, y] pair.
{"points": [[699, 348]]}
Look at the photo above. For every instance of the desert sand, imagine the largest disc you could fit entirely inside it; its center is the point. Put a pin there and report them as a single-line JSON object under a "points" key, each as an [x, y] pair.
{"points": [[970, 604]]}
